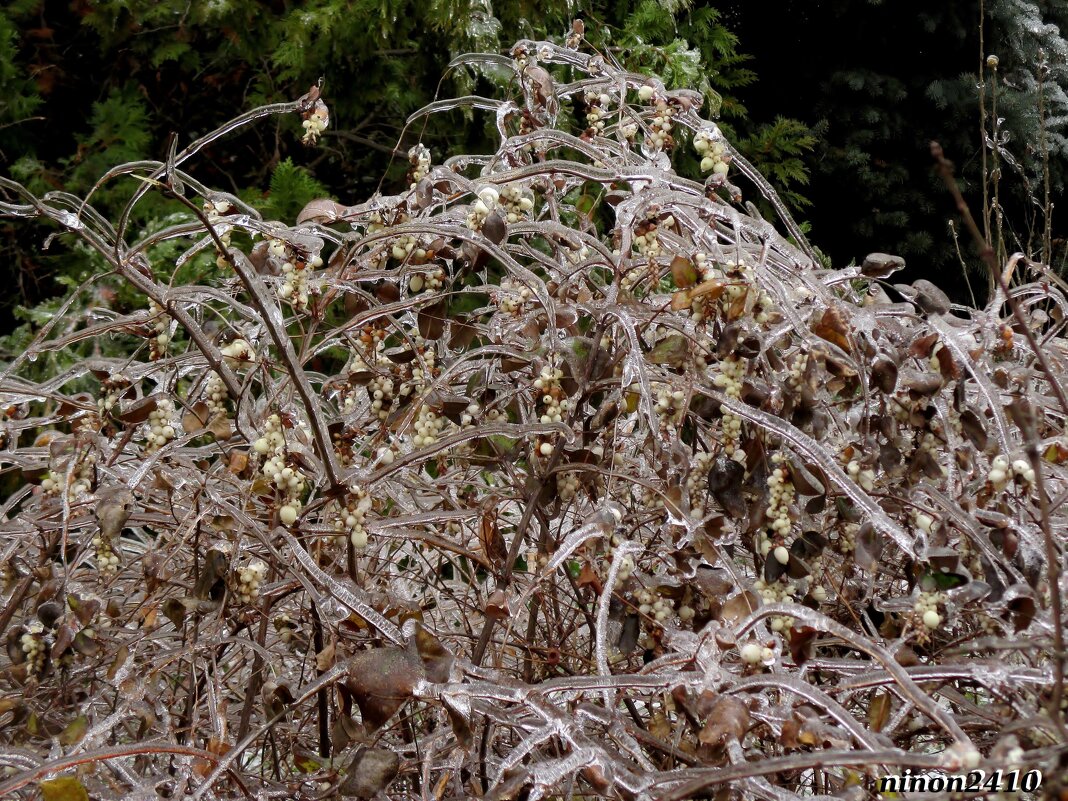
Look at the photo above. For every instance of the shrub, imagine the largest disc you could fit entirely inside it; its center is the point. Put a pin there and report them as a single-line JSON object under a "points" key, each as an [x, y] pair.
{"points": [[556, 473]]}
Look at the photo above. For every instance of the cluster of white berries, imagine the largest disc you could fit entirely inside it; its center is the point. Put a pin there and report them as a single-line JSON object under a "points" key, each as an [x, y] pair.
{"points": [[729, 378], [350, 518], [375, 223], [659, 136], [295, 286], [215, 210], [483, 206], [654, 605], [707, 270], [567, 485], [512, 297], [407, 245], [903, 406], [703, 307], [429, 282], [626, 564], [864, 476], [552, 401], [381, 389], [739, 284], [247, 579], [1001, 472], [161, 425], [110, 390], [651, 500], [753, 653], [522, 57], [424, 368], [289, 481], [79, 487], [107, 561], [285, 627], [316, 123], [847, 537], [781, 495], [596, 112], [215, 396], [161, 338], [517, 202], [926, 607], [763, 308], [577, 254], [648, 243], [278, 248], [798, 365], [670, 404], [742, 287], [33, 646], [470, 414], [238, 352], [374, 340], [932, 444], [419, 157], [777, 592], [695, 482], [633, 277], [713, 151], [428, 426]]}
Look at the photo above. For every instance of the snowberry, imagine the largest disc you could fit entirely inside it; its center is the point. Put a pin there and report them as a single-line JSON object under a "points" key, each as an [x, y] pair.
{"points": [[924, 522], [752, 653], [287, 514], [161, 425], [1023, 470]]}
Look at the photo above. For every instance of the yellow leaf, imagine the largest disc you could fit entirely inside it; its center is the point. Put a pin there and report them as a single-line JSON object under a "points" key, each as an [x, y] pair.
{"points": [[120, 659], [75, 731], [65, 788], [879, 711], [324, 660], [683, 271], [711, 288]]}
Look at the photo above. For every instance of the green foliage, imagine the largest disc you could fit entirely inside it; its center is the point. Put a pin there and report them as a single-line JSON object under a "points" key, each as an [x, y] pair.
{"points": [[291, 189], [118, 132], [778, 147], [18, 95], [686, 47]]}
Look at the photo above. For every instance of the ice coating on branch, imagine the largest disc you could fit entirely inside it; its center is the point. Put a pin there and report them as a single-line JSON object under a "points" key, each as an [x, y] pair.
{"points": [[626, 453]]}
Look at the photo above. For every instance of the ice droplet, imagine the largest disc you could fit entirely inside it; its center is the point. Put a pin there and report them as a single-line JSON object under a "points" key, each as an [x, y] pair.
{"points": [[69, 220]]}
